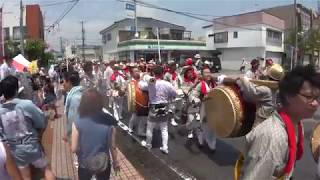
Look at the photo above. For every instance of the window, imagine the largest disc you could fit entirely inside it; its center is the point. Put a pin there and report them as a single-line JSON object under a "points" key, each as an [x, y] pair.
{"points": [[109, 37], [235, 34], [104, 39], [221, 37], [6, 33], [274, 35], [305, 21], [16, 35]]}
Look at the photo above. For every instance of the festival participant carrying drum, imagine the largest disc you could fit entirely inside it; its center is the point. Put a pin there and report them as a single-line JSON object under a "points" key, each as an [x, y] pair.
{"points": [[232, 110], [137, 99], [137, 102]]}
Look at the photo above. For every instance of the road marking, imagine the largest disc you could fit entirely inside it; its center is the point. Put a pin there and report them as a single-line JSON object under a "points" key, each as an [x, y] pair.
{"points": [[179, 172]]}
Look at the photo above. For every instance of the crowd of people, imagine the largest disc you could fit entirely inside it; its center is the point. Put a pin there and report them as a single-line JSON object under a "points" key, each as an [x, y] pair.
{"points": [[176, 96]]}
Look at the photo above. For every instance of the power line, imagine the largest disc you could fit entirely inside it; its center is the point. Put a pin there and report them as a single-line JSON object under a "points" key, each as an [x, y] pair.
{"points": [[57, 3], [63, 15]]}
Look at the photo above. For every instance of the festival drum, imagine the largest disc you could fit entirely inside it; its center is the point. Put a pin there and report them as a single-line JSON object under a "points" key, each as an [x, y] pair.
{"points": [[315, 142], [228, 114], [137, 100]]}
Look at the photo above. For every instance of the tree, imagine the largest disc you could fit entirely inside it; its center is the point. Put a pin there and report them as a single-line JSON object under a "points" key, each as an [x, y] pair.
{"points": [[312, 43], [48, 57], [11, 49], [308, 42], [34, 49]]}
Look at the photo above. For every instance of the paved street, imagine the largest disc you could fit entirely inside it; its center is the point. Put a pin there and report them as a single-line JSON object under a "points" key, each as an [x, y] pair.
{"points": [[189, 161], [186, 160]]}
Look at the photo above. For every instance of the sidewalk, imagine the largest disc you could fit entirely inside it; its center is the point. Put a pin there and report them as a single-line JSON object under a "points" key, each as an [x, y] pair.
{"points": [[127, 171], [62, 161]]}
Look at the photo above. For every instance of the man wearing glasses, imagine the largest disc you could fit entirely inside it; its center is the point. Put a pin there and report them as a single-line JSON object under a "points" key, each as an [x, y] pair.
{"points": [[274, 145]]}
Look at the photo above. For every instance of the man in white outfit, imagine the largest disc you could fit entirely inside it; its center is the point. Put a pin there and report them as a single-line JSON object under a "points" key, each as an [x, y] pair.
{"points": [[106, 77], [118, 84], [160, 92]]}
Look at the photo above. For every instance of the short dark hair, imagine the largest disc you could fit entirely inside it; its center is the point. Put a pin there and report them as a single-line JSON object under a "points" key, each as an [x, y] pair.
{"points": [[158, 70], [91, 103], [87, 66], [293, 81], [9, 86], [72, 77]]}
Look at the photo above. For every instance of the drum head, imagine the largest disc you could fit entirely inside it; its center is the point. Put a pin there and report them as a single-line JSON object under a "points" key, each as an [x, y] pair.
{"points": [[221, 111], [315, 142]]}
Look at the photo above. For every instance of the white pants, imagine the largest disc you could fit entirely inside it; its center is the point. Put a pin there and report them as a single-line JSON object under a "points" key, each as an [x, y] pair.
{"points": [[118, 107], [142, 121], [164, 133], [206, 135], [110, 98]]}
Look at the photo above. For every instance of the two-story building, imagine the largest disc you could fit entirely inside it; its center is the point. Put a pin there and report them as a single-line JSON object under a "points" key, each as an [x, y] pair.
{"points": [[305, 20], [90, 52], [32, 23], [249, 35], [119, 42]]}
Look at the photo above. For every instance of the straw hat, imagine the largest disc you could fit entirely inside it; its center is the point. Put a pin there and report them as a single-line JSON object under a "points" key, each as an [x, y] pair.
{"points": [[276, 72]]}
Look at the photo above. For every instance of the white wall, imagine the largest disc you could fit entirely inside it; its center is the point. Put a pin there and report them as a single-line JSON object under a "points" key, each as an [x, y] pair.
{"points": [[209, 40], [110, 46], [246, 38], [11, 16], [231, 58]]}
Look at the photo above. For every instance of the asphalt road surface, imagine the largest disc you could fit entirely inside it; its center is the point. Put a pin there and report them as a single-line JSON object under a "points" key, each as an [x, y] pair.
{"points": [[186, 160]]}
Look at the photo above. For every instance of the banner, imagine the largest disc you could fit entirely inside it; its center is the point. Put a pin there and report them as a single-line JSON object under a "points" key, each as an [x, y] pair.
{"points": [[33, 67], [20, 63]]}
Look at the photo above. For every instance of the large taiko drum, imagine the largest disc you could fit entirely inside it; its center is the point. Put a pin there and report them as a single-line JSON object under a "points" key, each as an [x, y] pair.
{"points": [[228, 114], [315, 142], [137, 100]]}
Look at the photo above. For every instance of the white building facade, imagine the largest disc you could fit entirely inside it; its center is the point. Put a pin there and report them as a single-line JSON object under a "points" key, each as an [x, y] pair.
{"points": [[175, 42], [247, 36]]}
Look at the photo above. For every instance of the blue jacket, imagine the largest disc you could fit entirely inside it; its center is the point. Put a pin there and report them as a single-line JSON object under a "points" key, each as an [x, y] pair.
{"points": [[72, 105]]}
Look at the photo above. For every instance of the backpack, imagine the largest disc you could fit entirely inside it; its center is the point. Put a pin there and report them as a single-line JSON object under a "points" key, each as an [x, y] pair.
{"points": [[14, 123]]}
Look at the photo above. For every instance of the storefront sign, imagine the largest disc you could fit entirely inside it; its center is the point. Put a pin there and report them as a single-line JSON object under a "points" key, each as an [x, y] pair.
{"points": [[155, 46]]}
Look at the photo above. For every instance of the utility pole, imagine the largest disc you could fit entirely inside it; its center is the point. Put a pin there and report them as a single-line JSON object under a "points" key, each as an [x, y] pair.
{"points": [[295, 59], [83, 38], [61, 45], [136, 35], [21, 29]]}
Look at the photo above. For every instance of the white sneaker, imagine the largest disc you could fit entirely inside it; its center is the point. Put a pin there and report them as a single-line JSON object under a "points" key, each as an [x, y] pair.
{"points": [[165, 151], [190, 135], [144, 144], [173, 122], [130, 130]]}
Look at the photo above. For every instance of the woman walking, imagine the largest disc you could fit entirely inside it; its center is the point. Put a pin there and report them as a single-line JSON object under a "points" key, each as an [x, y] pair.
{"points": [[93, 137]]}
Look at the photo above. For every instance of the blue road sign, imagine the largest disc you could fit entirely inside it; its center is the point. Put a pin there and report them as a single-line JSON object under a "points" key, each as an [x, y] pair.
{"points": [[131, 7]]}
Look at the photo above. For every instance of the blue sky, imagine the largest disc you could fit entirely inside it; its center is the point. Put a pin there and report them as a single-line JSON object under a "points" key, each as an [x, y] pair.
{"points": [[99, 14]]}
